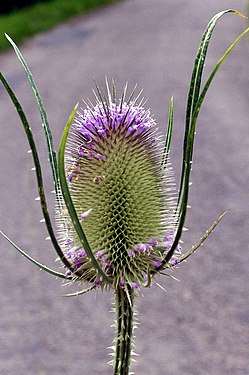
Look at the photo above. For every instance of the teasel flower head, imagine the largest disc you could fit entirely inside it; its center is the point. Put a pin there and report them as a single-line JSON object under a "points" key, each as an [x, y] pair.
{"points": [[123, 197]]}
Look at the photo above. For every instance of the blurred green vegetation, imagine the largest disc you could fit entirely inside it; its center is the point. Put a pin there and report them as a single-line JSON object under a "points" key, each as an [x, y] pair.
{"points": [[42, 16]]}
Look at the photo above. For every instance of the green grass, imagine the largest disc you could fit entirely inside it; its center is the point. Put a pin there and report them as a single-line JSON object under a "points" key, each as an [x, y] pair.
{"points": [[42, 16]]}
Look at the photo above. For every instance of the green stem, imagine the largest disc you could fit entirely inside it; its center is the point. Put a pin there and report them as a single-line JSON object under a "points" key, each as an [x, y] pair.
{"points": [[124, 330]]}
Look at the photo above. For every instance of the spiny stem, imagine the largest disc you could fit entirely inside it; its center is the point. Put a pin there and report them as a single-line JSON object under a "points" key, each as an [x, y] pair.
{"points": [[124, 330]]}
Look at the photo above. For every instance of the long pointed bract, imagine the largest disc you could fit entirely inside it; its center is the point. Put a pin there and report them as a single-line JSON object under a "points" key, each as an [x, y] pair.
{"points": [[201, 241], [43, 114], [38, 172], [194, 90], [40, 265], [169, 133]]}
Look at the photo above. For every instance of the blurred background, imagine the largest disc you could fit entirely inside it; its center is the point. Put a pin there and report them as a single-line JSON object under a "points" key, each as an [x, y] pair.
{"points": [[13, 5], [200, 325], [23, 18]]}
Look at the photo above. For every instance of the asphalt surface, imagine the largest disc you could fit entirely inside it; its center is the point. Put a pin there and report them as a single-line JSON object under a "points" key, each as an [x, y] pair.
{"points": [[200, 325]]}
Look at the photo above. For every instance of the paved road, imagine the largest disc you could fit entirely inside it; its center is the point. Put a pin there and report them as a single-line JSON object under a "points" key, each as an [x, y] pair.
{"points": [[200, 326]]}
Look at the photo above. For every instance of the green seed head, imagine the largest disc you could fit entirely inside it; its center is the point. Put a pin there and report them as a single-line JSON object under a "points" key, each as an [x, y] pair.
{"points": [[122, 195]]}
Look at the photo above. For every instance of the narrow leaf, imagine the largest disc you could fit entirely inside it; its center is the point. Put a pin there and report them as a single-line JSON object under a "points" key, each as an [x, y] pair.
{"points": [[40, 265], [38, 172], [169, 133], [43, 114], [203, 238], [84, 291], [206, 87], [194, 90]]}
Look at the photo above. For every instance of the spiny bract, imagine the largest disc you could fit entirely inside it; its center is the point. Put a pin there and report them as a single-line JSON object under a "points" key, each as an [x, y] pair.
{"points": [[123, 196]]}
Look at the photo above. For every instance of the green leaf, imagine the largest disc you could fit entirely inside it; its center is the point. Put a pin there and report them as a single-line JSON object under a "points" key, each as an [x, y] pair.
{"points": [[194, 90], [69, 202], [43, 114], [206, 87], [38, 172], [169, 133], [40, 265]]}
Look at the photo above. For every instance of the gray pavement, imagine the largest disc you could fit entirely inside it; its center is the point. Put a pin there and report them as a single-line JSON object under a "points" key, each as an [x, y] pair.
{"points": [[200, 326]]}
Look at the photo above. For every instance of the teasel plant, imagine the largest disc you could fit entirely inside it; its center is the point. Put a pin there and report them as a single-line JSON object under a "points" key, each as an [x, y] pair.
{"points": [[119, 216]]}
